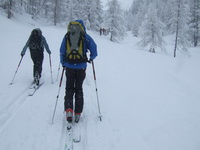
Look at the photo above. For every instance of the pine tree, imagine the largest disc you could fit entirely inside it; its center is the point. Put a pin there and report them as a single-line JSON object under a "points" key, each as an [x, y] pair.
{"points": [[138, 10], [90, 14], [69, 10], [8, 6], [179, 25], [114, 21], [164, 13], [195, 22], [98, 14], [150, 31]]}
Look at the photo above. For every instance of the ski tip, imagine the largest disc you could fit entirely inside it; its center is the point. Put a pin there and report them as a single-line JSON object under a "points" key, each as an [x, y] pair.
{"points": [[77, 140]]}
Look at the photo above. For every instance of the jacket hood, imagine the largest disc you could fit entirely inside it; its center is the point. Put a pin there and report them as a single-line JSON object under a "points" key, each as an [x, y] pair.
{"points": [[81, 22], [36, 31]]}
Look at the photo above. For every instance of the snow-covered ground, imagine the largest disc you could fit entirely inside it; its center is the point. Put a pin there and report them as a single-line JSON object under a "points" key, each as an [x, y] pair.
{"points": [[148, 101]]}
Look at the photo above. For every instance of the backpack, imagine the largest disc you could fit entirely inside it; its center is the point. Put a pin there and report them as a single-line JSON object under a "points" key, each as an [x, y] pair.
{"points": [[75, 43], [35, 42]]}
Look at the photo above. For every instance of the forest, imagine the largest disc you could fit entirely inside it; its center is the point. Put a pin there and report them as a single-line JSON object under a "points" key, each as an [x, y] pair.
{"points": [[150, 20]]}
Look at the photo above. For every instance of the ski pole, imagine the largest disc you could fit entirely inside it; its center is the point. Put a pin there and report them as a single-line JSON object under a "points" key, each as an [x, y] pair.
{"points": [[96, 90], [16, 70], [51, 69], [58, 72], [58, 94]]}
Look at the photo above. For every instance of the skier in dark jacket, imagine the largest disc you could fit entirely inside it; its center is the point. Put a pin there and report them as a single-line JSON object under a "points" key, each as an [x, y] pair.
{"points": [[75, 72], [36, 44]]}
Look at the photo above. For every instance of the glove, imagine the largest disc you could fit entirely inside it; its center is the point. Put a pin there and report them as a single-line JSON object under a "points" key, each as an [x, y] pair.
{"points": [[90, 60], [22, 54], [62, 65]]}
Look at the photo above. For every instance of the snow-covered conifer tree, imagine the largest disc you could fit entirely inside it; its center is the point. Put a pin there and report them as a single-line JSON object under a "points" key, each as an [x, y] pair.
{"points": [[164, 13], [69, 10], [92, 14], [91, 17], [195, 22], [151, 31], [138, 10], [114, 21], [179, 25], [98, 14], [8, 6]]}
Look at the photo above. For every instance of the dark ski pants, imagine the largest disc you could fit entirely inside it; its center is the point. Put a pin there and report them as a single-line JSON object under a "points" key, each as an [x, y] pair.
{"points": [[37, 58], [74, 89]]}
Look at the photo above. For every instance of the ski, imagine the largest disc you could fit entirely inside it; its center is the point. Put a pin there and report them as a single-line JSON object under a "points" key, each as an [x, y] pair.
{"points": [[73, 135], [77, 133], [69, 137], [34, 88]]}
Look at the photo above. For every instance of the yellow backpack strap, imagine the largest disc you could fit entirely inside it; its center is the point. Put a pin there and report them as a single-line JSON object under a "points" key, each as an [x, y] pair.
{"points": [[68, 43]]}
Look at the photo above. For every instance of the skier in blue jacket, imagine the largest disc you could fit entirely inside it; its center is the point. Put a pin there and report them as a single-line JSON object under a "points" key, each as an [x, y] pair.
{"points": [[75, 44]]}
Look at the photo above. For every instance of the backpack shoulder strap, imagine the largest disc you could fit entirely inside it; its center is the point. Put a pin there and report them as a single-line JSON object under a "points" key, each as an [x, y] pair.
{"points": [[81, 38], [68, 38]]}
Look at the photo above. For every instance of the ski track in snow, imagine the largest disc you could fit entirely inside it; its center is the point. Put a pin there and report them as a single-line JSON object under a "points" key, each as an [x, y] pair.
{"points": [[16, 104]]}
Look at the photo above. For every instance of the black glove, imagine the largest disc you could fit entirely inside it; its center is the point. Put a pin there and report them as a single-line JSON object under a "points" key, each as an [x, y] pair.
{"points": [[22, 55], [90, 60]]}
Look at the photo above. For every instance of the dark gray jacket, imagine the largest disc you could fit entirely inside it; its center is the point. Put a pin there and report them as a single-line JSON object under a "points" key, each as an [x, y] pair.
{"points": [[43, 45]]}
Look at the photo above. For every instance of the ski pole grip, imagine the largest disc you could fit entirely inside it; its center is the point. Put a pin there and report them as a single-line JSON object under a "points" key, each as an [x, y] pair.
{"points": [[93, 70], [61, 77]]}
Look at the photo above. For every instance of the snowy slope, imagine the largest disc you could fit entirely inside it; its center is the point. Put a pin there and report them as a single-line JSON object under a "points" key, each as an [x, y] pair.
{"points": [[148, 101]]}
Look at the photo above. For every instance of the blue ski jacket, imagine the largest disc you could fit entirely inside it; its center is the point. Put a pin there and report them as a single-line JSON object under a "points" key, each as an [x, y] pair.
{"points": [[89, 44]]}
